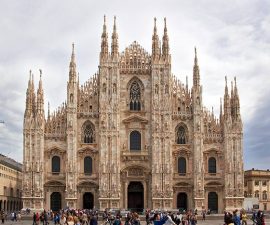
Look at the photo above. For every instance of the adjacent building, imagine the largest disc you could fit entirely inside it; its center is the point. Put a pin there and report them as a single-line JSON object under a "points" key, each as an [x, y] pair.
{"points": [[10, 184], [257, 185], [133, 136]]}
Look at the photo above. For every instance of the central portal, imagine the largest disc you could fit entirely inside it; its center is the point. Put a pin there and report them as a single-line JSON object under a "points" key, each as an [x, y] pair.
{"points": [[135, 196], [88, 200]]}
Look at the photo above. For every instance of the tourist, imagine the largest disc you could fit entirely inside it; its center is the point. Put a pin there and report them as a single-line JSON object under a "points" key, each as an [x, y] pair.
{"points": [[203, 214], [34, 219], [244, 217], [62, 219], [70, 220], [76, 221], [37, 218], [19, 216], [236, 217], [2, 216], [135, 220], [93, 220], [169, 220]]}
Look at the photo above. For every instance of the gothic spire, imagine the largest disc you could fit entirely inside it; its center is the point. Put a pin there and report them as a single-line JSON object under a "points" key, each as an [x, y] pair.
{"points": [[72, 66], [155, 42], [28, 108], [114, 46], [220, 113], [49, 113], [40, 96], [236, 101], [227, 106], [165, 43], [104, 41], [196, 71], [33, 96]]}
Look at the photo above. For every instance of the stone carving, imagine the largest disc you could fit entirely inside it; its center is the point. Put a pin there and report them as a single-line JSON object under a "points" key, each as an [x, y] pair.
{"points": [[135, 172]]}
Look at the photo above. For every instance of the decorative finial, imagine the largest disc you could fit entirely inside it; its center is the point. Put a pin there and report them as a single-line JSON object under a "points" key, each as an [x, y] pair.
{"points": [[195, 59], [226, 80], [40, 73], [235, 81], [165, 24]]}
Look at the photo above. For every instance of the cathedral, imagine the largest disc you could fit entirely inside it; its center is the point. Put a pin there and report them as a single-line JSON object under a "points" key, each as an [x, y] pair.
{"points": [[132, 137]]}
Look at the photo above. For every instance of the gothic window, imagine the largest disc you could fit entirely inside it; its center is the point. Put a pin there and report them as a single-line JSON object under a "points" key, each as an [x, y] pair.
{"points": [[71, 98], [181, 137], [166, 89], [135, 140], [88, 133], [135, 96], [182, 166], [56, 164], [264, 195], [88, 165], [212, 165], [257, 195]]}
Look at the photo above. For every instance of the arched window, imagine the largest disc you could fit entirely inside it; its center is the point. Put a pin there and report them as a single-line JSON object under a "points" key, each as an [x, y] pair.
{"points": [[212, 165], [257, 195], [264, 195], [88, 133], [182, 165], [56, 164], [181, 137], [88, 165], [135, 96], [135, 140]]}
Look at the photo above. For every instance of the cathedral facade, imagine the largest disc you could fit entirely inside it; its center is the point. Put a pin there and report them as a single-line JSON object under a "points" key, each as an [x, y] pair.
{"points": [[133, 136]]}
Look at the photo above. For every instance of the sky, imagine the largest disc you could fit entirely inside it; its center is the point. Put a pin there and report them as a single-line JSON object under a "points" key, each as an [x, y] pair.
{"points": [[232, 39]]}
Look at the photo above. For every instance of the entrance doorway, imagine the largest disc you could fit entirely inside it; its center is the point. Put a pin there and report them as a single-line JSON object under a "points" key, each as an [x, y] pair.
{"points": [[135, 196], [213, 202], [182, 201], [55, 201], [88, 200]]}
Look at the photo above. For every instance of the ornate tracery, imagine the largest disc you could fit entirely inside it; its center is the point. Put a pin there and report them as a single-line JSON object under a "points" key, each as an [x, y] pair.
{"points": [[181, 135], [88, 133], [135, 96]]}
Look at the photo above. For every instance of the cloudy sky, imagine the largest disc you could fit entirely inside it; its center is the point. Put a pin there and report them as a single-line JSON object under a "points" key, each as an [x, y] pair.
{"points": [[232, 38]]}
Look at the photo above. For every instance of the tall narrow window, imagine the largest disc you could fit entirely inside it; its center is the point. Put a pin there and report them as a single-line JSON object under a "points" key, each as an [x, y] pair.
{"points": [[88, 133], [88, 165], [56, 164], [181, 137], [135, 97], [264, 195], [212, 165], [135, 140], [182, 166]]}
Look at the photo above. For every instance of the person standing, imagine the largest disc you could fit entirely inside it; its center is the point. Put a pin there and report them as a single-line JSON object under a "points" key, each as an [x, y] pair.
{"points": [[34, 219], [2, 216]]}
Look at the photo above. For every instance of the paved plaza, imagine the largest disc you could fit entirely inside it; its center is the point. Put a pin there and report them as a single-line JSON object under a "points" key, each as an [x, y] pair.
{"points": [[207, 222]]}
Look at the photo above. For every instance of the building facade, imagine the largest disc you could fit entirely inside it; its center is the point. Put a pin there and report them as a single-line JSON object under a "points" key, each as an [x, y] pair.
{"points": [[257, 185], [10, 184], [132, 136]]}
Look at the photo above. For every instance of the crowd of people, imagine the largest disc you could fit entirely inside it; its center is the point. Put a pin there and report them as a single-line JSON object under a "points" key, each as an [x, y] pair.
{"points": [[240, 217], [152, 217]]}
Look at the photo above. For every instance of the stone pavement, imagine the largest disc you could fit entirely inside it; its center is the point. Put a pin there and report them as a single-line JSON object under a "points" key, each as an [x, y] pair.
{"points": [[207, 222]]}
